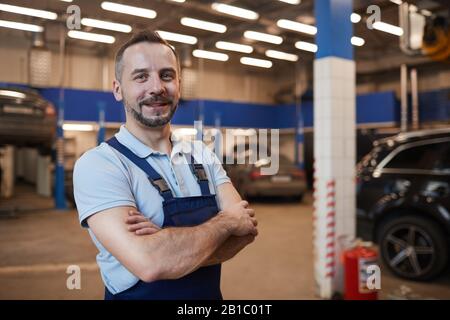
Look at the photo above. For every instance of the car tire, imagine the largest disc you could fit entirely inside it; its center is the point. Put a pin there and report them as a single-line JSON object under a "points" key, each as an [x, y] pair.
{"points": [[413, 247]]}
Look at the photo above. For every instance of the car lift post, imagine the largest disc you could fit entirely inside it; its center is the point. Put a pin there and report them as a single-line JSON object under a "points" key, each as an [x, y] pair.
{"points": [[60, 198]]}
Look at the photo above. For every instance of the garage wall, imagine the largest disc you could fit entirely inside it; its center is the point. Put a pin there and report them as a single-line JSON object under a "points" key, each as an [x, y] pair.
{"points": [[428, 80], [228, 81]]}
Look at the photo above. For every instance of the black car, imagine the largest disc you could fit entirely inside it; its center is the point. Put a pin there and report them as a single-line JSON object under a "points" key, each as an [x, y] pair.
{"points": [[403, 202], [26, 119]]}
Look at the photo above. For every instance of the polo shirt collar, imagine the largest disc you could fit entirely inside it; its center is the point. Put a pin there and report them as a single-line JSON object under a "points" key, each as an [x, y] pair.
{"points": [[140, 149]]}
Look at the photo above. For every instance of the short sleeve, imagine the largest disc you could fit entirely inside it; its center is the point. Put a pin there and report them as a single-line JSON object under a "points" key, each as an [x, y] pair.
{"points": [[100, 182], [219, 174]]}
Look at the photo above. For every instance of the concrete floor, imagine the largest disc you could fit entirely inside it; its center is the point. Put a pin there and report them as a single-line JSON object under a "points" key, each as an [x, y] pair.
{"points": [[37, 246]]}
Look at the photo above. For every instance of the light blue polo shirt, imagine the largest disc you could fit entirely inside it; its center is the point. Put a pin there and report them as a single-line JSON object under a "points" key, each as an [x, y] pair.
{"points": [[103, 178]]}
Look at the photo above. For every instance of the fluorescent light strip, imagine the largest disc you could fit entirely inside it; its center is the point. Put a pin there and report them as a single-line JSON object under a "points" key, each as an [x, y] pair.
{"points": [[66, 0], [204, 25], [265, 37], [426, 12], [296, 26], [131, 10], [106, 25], [291, 1], [281, 55], [91, 36], [256, 62], [389, 28], [12, 94], [399, 2], [210, 55], [21, 26], [306, 46], [179, 1], [170, 36], [357, 41], [234, 47], [355, 18], [78, 127], [235, 11], [28, 11]]}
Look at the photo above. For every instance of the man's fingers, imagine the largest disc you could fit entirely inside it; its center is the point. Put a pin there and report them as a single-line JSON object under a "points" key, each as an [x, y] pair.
{"points": [[244, 203], [250, 212], [136, 219], [254, 232], [146, 231], [142, 225], [134, 212]]}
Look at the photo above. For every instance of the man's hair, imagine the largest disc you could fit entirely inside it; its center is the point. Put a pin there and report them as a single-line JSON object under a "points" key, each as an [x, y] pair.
{"points": [[141, 36]]}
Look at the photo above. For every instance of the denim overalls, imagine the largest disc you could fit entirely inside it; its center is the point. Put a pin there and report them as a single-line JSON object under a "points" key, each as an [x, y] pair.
{"points": [[204, 283]]}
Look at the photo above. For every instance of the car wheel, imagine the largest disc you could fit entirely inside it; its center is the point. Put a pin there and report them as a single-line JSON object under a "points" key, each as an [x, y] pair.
{"points": [[413, 247]]}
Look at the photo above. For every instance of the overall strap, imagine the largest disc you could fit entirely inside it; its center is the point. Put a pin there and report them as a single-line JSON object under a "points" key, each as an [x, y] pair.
{"points": [[199, 172], [154, 177]]}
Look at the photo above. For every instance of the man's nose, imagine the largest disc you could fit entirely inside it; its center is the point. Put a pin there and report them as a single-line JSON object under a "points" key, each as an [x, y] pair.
{"points": [[156, 86]]}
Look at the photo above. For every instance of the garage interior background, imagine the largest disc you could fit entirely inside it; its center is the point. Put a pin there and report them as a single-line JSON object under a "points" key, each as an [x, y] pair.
{"points": [[223, 94]]}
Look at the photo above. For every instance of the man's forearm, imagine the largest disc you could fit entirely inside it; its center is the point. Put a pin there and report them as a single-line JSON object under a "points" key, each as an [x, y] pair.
{"points": [[229, 248], [176, 252]]}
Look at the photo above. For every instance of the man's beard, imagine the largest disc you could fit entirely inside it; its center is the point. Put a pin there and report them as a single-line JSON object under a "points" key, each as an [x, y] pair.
{"points": [[156, 120]]}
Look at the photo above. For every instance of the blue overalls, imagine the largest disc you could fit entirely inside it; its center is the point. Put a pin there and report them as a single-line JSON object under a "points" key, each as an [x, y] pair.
{"points": [[202, 284]]}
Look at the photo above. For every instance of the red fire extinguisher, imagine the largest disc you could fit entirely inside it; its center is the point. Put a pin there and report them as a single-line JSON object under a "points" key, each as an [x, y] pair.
{"points": [[356, 261]]}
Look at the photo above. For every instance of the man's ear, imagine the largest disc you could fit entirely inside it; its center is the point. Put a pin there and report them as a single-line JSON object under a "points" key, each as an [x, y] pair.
{"points": [[117, 90]]}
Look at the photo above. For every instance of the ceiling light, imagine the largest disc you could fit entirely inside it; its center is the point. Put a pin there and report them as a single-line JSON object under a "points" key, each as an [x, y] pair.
{"points": [[210, 55], [389, 28], [234, 47], [106, 25], [399, 2], [306, 46], [91, 36], [291, 1], [12, 94], [265, 37], [78, 127], [21, 26], [170, 36], [28, 11], [235, 11], [256, 62], [135, 11], [179, 1], [426, 12], [357, 41], [205, 25], [355, 18], [281, 55], [296, 26]]}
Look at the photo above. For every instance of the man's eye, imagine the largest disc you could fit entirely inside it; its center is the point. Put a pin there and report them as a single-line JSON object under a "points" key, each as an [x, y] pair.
{"points": [[141, 77], [167, 76]]}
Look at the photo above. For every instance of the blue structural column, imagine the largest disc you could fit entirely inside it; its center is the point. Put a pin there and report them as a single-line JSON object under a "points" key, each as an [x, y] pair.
{"points": [[299, 137], [334, 142], [59, 192], [101, 122]]}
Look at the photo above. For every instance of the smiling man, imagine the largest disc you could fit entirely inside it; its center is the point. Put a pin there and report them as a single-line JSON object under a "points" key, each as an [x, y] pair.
{"points": [[162, 213]]}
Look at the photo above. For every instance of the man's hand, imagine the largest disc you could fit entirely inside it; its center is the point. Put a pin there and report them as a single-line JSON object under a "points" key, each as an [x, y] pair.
{"points": [[241, 219], [139, 224]]}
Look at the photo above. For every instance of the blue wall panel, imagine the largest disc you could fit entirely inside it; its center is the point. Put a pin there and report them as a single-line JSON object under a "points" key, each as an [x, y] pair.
{"points": [[377, 107], [434, 105], [81, 105]]}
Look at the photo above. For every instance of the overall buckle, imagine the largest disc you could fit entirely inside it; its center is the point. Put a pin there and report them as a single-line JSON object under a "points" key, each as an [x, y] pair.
{"points": [[200, 172], [160, 184]]}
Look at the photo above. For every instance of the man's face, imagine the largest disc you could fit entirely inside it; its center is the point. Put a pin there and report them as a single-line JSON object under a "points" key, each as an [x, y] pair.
{"points": [[150, 84]]}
